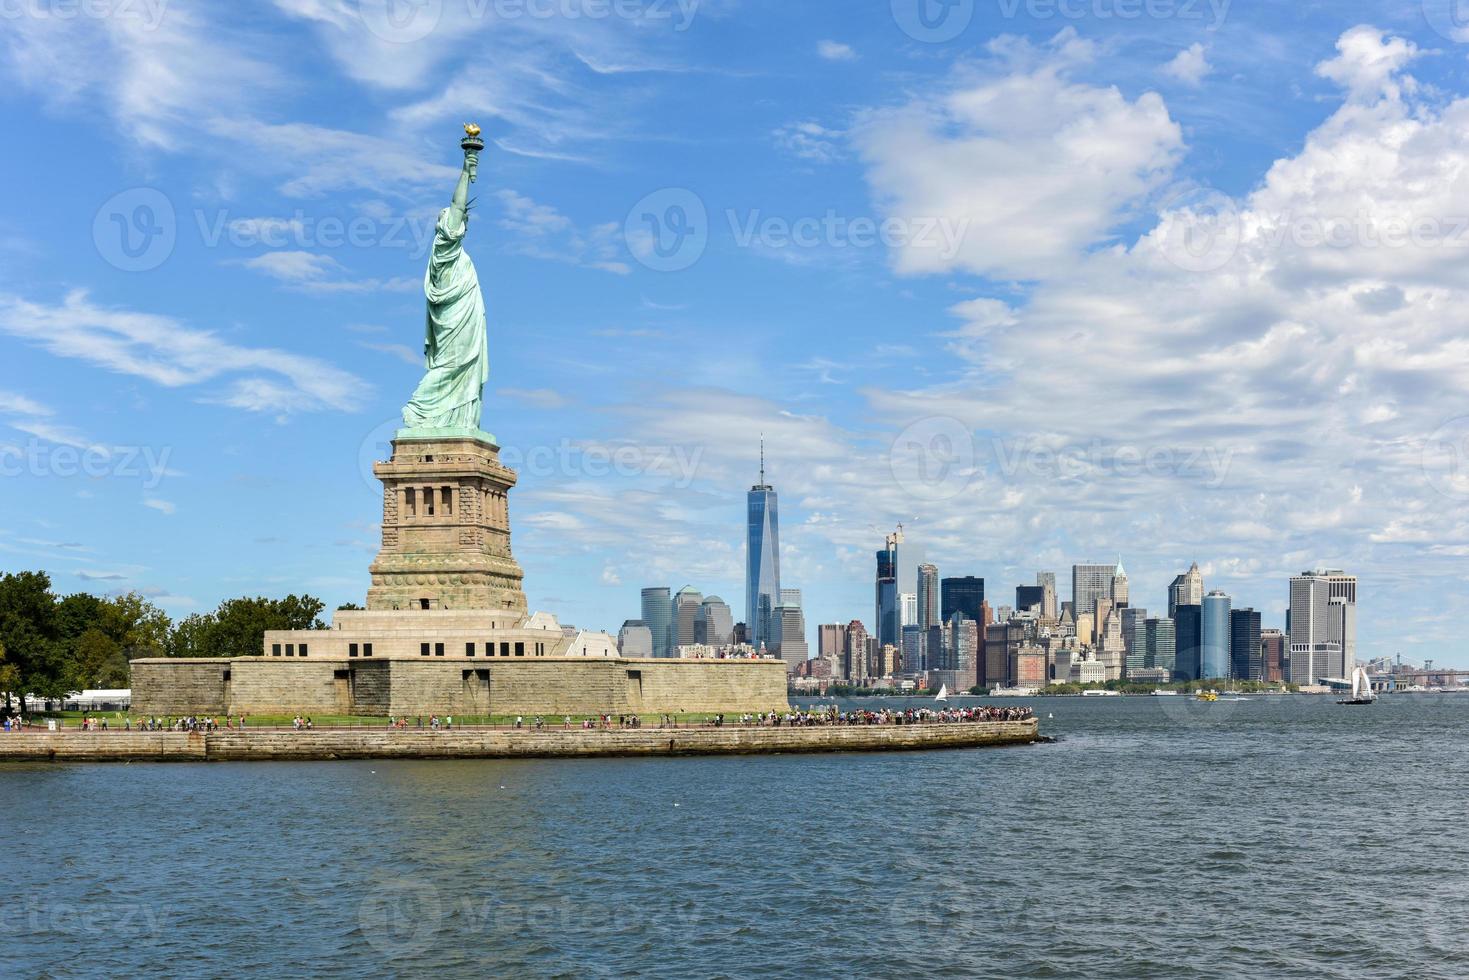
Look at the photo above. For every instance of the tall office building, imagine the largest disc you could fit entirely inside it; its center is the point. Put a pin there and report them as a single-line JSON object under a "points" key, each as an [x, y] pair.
{"points": [[1047, 582], [1273, 660], [855, 666], [658, 617], [1187, 589], [887, 614], [928, 596], [716, 622], [1120, 589], [962, 595], [907, 610], [687, 605], [762, 561], [831, 646], [793, 647], [1217, 636], [1029, 597], [1162, 646], [966, 645], [1188, 625], [1090, 583], [1323, 626], [1135, 638], [1244, 646], [635, 640], [1112, 645]]}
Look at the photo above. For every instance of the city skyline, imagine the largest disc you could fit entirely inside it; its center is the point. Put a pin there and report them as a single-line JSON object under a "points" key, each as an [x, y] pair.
{"points": [[270, 305]]}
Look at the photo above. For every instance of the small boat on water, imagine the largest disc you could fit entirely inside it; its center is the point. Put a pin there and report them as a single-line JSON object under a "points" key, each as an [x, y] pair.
{"points": [[1362, 692], [1160, 693], [943, 694], [1210, 696]]}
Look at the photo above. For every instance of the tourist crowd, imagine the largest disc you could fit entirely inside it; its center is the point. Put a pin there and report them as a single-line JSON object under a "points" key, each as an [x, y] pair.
{"points": [[833, 715], [797, 718]]}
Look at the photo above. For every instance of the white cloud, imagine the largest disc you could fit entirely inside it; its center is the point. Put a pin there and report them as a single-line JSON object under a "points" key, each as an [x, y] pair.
{"points": [[810, 140], [1368, 63], [1037, 166], [835, 51], [13, 404], [402, 352], [1190, 66], [542, 232], [544, 398], [169, 353], [35, 419], [293, 266], [313, 272], [162, 506], [1313, 365], [152, 73]]}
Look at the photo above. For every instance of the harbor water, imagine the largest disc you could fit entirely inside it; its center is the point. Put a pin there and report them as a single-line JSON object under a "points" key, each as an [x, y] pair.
{"points": [[1158, 837]]}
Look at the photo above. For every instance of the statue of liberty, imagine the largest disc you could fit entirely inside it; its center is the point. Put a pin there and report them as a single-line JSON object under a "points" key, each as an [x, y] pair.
{"points": [[448, 399]]}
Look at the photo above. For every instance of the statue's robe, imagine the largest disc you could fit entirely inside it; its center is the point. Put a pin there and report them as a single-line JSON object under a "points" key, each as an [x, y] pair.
{"points": [[455, 348]]}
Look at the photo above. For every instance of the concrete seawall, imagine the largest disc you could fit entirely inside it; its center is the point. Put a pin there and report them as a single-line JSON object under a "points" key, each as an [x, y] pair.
{"points": [[261, 746]]}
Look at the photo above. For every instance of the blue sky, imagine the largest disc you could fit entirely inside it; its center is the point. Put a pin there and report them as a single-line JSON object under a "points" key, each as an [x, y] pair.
{"points": [[1045, 281]]}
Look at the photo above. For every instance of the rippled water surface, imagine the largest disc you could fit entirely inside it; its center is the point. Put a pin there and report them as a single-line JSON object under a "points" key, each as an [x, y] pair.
{"points": [[1158, 838]]}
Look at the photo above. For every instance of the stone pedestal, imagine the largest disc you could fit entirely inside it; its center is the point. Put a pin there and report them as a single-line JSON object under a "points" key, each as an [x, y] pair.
{"points": [[446, 528]]}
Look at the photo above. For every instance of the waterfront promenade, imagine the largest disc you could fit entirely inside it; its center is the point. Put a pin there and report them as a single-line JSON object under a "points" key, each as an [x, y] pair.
{"points": [[324, 744]]}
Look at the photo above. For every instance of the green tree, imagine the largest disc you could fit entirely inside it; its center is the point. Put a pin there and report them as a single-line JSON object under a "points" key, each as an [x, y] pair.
{"points": [[9, 678], [97, 660], [190, 636], [237, 628], [28, 631], [136, 625]]}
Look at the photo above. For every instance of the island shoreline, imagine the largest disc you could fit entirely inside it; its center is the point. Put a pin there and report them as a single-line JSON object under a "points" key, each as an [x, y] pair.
{"points": [[360, 744]]}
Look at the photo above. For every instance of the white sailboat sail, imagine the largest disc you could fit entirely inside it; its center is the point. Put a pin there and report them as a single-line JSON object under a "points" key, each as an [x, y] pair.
{"points": [[943, 693], [1361, 687]]}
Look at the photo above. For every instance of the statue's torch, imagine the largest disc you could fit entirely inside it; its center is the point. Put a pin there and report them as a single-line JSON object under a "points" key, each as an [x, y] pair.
{"points": [[473, 145]]}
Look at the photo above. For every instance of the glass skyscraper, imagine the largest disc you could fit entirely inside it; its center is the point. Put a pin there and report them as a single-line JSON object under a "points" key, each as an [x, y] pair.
{"points": [[658, 617], [1089, 583], [1244, 659], [965, 596], [888, 614], [762, 563], [1218, 636], [1189, 628], [928, 596]]}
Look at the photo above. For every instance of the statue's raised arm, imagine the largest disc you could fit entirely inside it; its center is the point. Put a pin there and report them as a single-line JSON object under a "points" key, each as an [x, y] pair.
{"points": [[447, 400]]}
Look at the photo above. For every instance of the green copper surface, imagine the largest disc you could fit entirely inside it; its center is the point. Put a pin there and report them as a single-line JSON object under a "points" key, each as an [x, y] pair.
{"points": [[456, 351]]}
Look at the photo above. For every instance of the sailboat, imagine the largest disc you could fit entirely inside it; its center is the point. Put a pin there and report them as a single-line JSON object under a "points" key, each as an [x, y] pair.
{"points": [[943, 693], [1361, 689]]}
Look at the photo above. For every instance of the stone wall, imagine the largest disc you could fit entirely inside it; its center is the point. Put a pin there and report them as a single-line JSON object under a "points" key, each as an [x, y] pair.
{"points": [[324, 745], [456, 686], [180, 687], [267, 686]]}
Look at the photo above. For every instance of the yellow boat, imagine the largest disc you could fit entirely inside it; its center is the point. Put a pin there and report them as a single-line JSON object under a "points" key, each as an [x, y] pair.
{"points": [[1208, 696]]}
